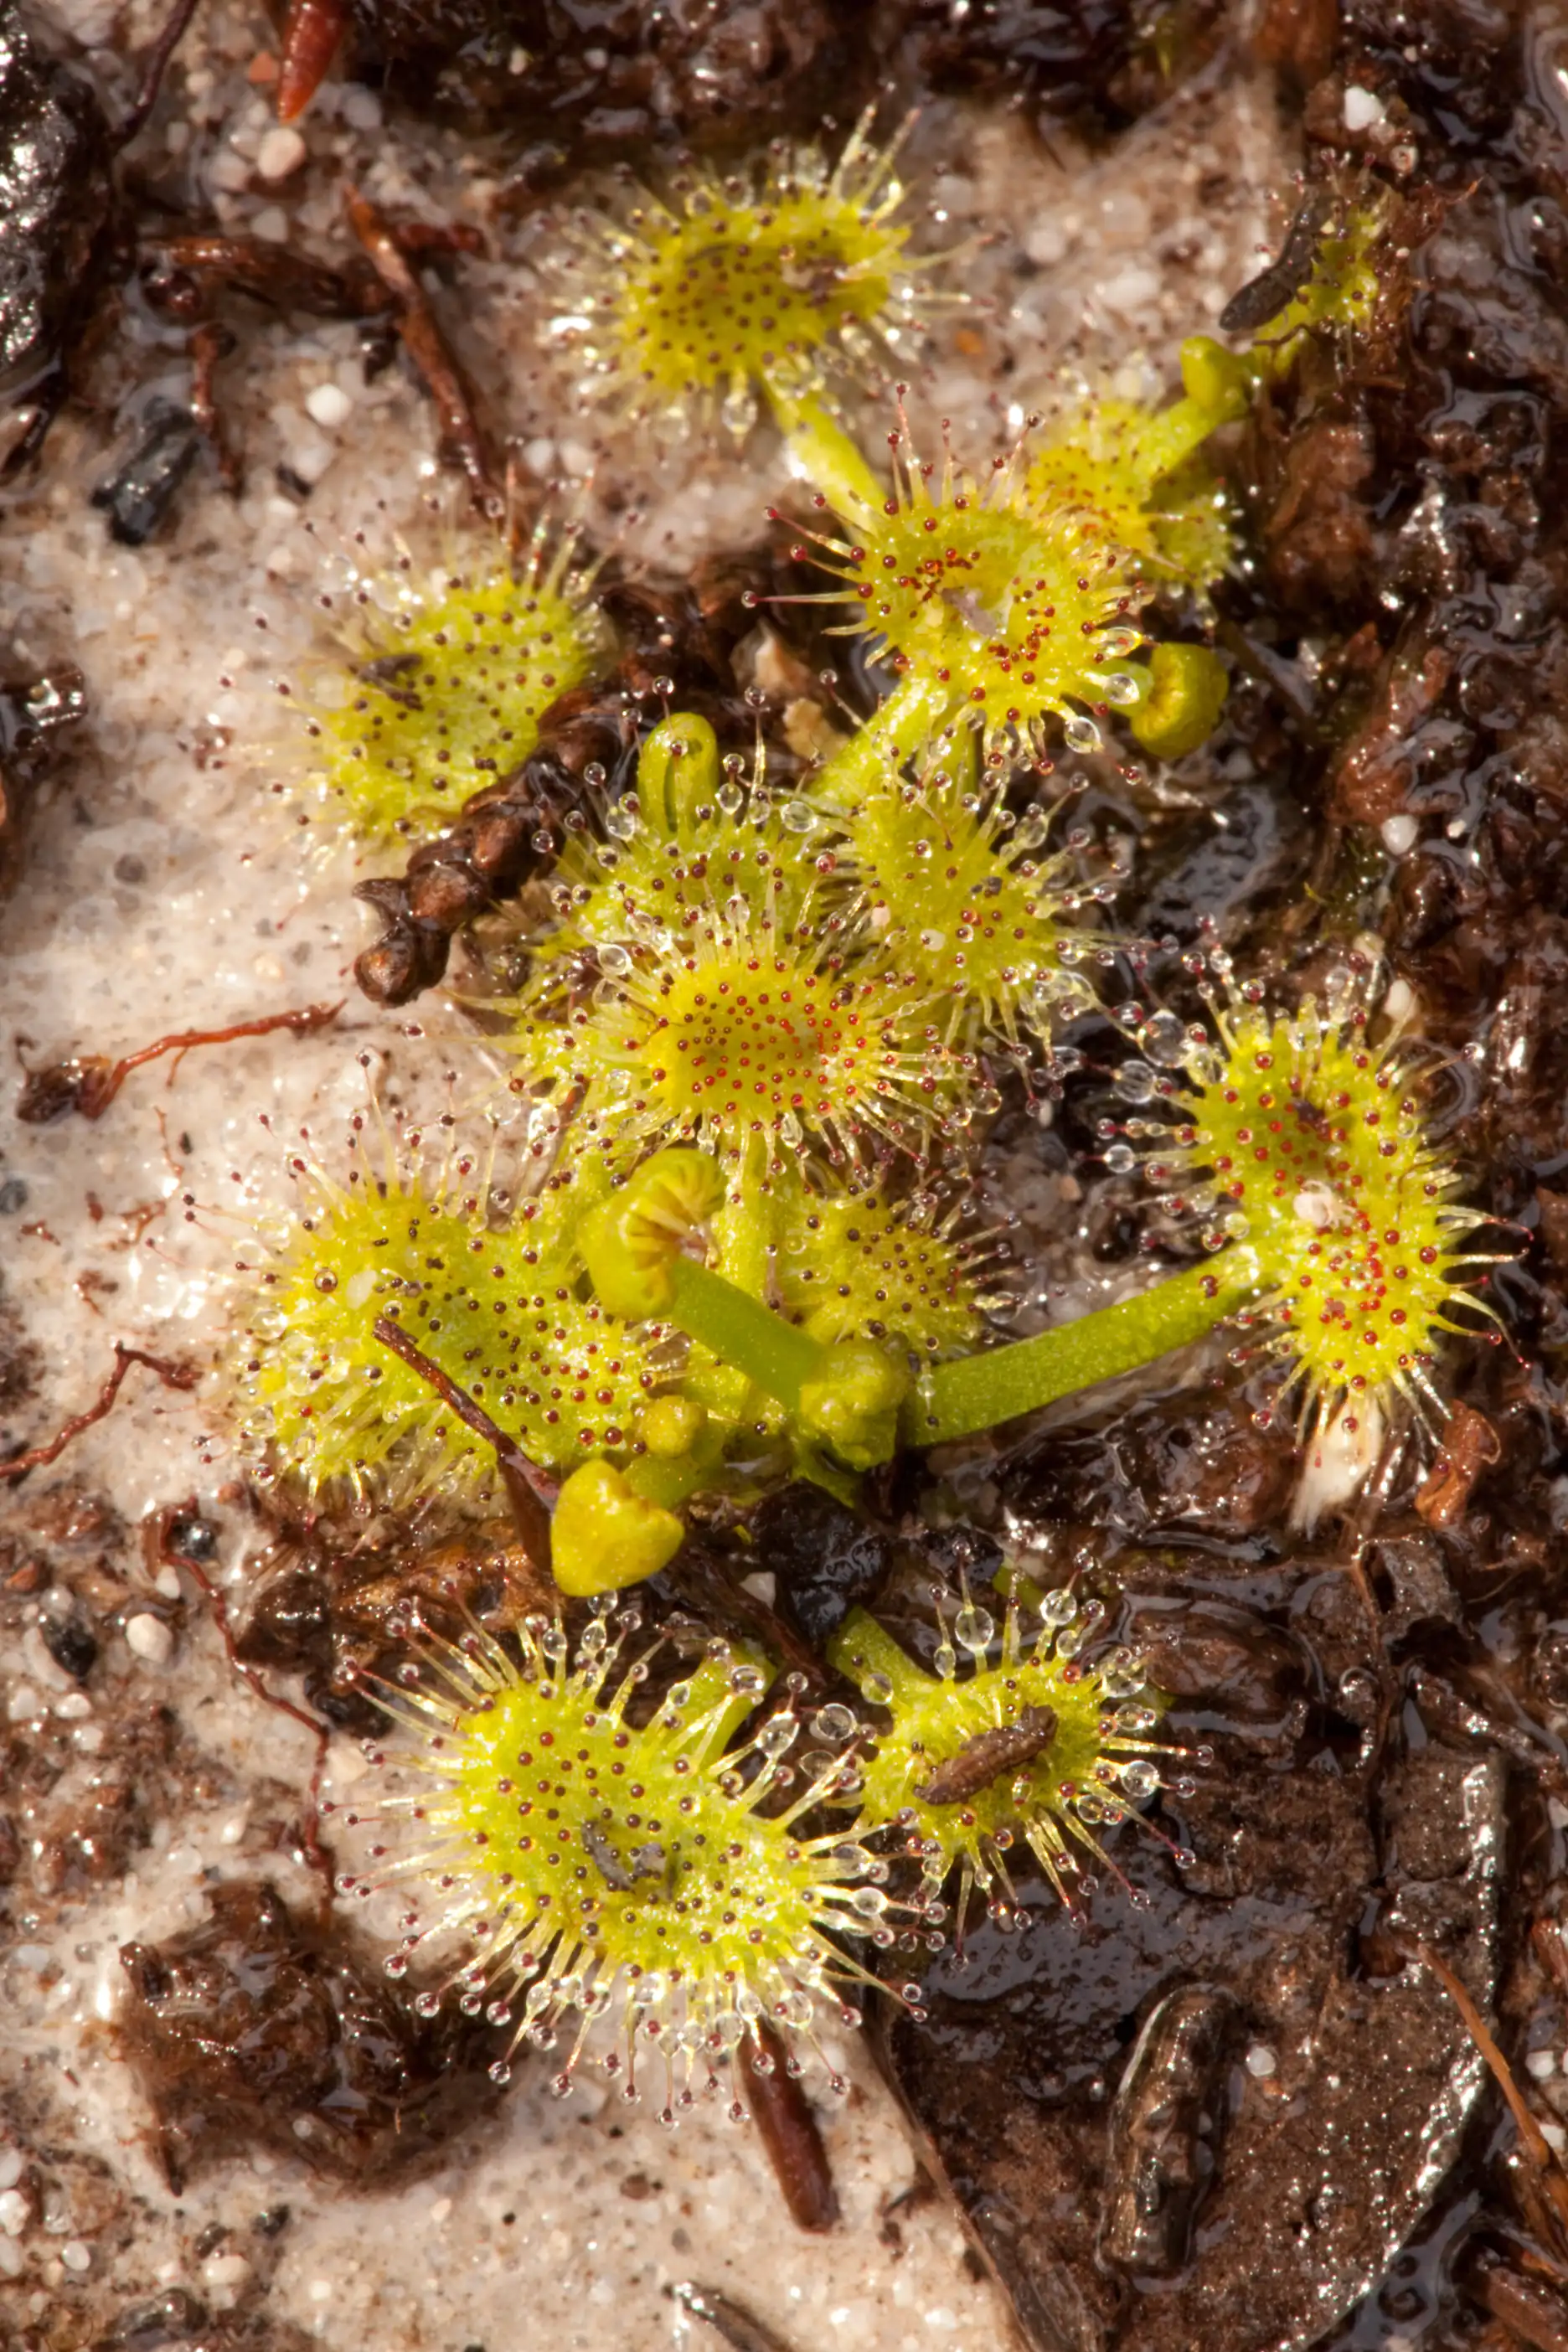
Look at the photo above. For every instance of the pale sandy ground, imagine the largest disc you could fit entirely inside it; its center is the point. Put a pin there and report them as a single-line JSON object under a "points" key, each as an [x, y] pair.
{"points": [[1105, 265]]}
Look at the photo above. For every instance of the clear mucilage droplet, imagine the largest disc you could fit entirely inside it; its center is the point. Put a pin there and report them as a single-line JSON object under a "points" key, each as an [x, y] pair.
{"points": [[1165, 1040], [974, 1629], [833, 1725], [1135, 1082]]}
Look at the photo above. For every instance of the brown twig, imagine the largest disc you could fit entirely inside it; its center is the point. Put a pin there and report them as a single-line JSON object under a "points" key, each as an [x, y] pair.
{"points": [[316, 1853], [788, 2131], [462, 442], [89, 1084], [174, 1376], [209, 344], [1531, 2312], [152, 73], [730, 2321], [1537, 2146], [529, 1491], [1547, 1937]]}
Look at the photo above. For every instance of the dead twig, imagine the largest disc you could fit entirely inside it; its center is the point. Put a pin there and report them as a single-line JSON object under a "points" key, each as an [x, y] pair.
{"points": [[1536, 2146], [788, 2131], [152, 73], [209, 344], [529, 1491], [1530, 2311], [463, 443], [731, 2321], [316, 1853]]}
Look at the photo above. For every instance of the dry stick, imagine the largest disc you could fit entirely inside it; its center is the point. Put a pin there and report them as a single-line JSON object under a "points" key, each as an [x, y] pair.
{"points": [[158, 56], [174, 1376], [729, 2320], [788, 2131], [529, 1491], [90, 1085], [316, 1853], [209, 344], [1547, 1937], [1530, 2311], [427, 347], [1538, 2147]]}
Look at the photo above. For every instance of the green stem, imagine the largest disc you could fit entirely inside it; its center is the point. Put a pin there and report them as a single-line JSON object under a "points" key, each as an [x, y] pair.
{"points": [[862, 1649], [820, 452], [670, 1484], [911, 714], [1168, 439], [978, 1391], [742, 1332]]}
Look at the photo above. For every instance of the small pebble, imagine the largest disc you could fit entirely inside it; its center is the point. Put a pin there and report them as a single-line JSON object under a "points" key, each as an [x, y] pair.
{"points": [[1556, 2139], [149, 1638], [330, 405], [1399, 834], [1262, 2062], [10, 2167], [271, 224], [13, 2213], [1363, 108], [228, 173], [226, 2270], [282, 151], [1129, 289], [77, 2255], [1540, 2064]]}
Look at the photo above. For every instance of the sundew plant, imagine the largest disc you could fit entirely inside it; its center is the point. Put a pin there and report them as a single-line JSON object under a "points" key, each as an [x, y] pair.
{"points": [[760, 1010], [763, 1024]]}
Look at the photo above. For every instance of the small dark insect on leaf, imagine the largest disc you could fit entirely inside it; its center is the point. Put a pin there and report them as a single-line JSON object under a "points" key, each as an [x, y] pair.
{"points": [[385, 674], [988, 1756], [611, 1868], [1264, 297], [388, 668]]}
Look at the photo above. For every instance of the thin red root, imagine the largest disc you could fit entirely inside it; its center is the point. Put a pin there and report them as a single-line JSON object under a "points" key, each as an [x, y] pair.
{"points": [[88, 1086], [174, 1376]]}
